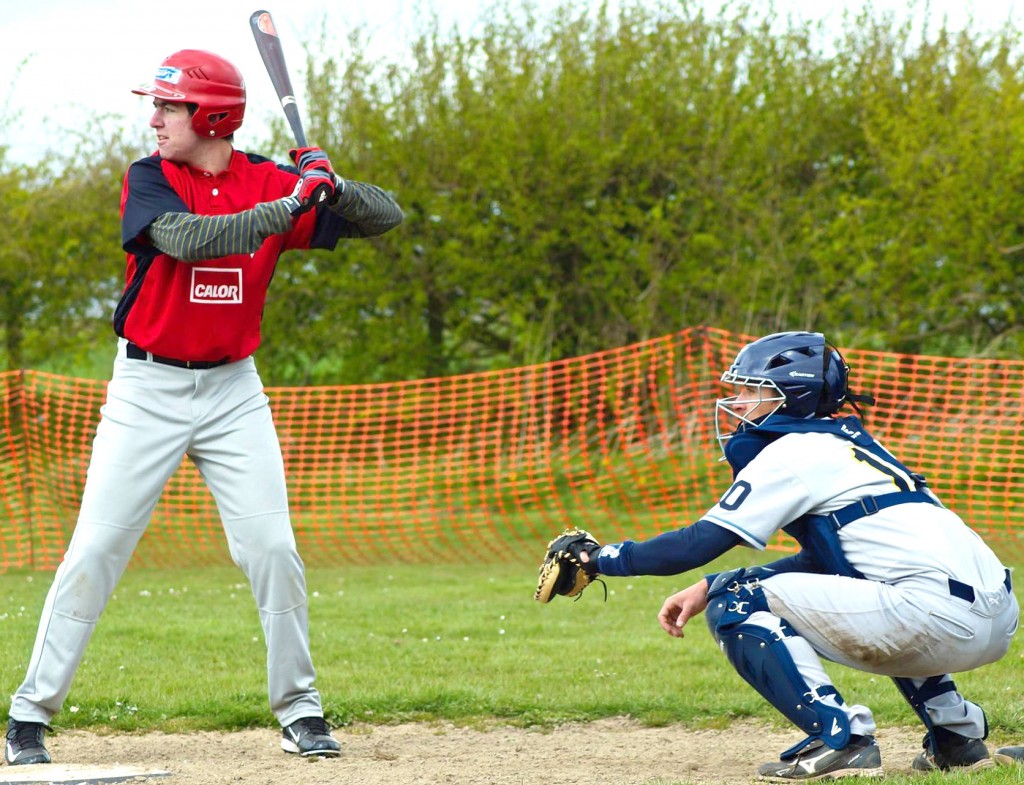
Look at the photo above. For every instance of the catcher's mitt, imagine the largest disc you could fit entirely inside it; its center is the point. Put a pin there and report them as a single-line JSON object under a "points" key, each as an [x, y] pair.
{"points": [[562, 571]]}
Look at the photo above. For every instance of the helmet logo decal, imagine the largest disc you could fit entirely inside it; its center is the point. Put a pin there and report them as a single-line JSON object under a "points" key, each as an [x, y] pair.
{"points": [[168, 73], [802, 375]]}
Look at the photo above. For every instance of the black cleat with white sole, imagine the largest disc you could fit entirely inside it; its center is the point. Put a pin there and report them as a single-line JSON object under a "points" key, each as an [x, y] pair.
{"points": [[25, 743], [310, 737], [1007, 756], [817, 761], [945, 750]]}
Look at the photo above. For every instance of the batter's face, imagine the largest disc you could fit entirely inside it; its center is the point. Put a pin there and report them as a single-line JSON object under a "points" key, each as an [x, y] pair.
{"points": [[175, 138]]}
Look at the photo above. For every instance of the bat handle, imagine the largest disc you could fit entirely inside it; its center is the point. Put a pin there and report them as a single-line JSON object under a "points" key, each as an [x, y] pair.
{"points": [[320, 194]]}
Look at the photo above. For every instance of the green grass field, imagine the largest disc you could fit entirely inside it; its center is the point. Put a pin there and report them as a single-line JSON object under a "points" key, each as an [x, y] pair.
{"points": [[182, 650]]}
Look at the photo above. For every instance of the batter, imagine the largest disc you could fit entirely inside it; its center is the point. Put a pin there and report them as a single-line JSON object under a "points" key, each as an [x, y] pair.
{"points": [[887, 580], [203, 226]]}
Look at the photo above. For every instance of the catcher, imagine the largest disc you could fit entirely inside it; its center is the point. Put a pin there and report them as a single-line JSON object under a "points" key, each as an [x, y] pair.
{"points": [[887, 581]]}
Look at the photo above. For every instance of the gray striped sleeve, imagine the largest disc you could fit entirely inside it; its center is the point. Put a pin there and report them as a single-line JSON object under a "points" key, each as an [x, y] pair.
{"points": [[368, 207], [192, 238]]}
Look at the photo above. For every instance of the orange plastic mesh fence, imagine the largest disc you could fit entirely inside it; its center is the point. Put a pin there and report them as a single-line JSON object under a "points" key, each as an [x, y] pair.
{"points": [[490, 465]]}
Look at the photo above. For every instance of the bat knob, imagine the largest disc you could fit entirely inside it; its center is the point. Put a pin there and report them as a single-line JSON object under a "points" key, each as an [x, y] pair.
{"points": [[321, 194]]}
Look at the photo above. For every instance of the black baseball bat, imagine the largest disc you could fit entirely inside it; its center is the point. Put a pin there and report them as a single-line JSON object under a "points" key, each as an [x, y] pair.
{"points": [[269, 44]]}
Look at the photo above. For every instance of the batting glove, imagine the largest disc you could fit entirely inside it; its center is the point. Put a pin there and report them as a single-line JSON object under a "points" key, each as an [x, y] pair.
{"points": [[314, 159], [313, 188], [307, 158]]}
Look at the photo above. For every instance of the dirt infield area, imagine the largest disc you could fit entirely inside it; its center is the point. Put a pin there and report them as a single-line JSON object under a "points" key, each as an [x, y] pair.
{"points": [[617, 752]]}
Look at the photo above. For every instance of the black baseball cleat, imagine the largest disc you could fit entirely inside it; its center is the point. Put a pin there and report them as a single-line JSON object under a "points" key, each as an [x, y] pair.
{"points": [[945, 750], [310, 737], [25, 743], [816, 761], [1007, 756]]}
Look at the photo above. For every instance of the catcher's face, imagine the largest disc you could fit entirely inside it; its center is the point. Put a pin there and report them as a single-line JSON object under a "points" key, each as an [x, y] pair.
{"points": [[754, 400]]}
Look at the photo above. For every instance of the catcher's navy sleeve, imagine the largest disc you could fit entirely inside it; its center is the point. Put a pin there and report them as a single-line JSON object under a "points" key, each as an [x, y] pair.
{"points": [[670, 553], [798, 562]]}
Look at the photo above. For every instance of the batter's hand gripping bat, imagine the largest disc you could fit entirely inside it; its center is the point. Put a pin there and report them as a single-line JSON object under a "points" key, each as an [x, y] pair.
{"points": [[269, 44]]}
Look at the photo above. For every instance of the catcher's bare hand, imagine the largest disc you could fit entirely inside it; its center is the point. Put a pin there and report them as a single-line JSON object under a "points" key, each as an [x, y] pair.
{"points": [[568, 566], [683, 606]]}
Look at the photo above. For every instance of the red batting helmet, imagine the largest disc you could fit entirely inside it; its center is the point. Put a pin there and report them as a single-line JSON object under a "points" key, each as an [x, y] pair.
{"points": [[208, 80]]}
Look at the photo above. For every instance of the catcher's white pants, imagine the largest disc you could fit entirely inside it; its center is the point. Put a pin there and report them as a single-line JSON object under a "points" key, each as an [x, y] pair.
{"points": [[912, 629], [154, 415]]}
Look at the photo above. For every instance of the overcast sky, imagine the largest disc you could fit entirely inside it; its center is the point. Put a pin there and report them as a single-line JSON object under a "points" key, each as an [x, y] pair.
{"points": [[64, 60]]}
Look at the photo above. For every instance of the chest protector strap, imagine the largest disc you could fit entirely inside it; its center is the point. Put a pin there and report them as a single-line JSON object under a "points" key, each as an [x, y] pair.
{"points": [[818, 534]]}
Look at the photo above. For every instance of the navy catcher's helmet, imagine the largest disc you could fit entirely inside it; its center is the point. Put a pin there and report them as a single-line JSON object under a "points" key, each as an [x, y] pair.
{"points": [[804, 368]]}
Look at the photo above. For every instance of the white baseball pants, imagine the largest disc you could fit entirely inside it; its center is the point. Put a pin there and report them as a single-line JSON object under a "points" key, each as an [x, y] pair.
{"points": [[153, 416]]}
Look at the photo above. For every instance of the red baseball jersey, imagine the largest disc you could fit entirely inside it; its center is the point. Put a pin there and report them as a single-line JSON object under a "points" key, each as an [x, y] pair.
{"points": [[206, 310]]}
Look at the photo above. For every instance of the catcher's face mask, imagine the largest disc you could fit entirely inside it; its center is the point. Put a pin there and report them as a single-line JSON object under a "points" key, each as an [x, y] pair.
{"points": [[755, 399]]}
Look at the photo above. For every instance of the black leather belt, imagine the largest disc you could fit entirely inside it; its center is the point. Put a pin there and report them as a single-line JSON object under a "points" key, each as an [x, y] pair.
{"points": [[134, 352], [966, 592]]}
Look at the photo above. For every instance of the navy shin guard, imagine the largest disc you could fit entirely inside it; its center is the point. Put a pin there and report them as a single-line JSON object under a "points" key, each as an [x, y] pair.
{"points": [[760, 656]]}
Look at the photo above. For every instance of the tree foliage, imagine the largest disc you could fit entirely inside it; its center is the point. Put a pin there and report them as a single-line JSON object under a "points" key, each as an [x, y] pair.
{"points": [[593, 178], [61, 266]]}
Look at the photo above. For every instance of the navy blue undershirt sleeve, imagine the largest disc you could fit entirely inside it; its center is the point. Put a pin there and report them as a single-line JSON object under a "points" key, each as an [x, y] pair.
{"points": [[798, 562], [670, 553], [149, 197]]}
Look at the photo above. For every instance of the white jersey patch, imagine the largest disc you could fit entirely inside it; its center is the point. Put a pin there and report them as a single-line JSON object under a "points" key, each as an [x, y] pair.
{"points": [[216, 285]]}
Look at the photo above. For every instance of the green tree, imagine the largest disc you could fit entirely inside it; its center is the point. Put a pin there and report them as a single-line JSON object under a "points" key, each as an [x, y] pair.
{"points": [[61, 266], [940, 193], [583, 183], [591, 178], [15, 258]]}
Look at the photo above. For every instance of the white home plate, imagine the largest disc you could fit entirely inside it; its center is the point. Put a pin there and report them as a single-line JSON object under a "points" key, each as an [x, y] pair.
{"points": [[59, 774]]}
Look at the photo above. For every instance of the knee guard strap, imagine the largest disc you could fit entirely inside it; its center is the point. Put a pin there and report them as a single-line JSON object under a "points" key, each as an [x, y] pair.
{"points": [[917, 696], [932, 687]]}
